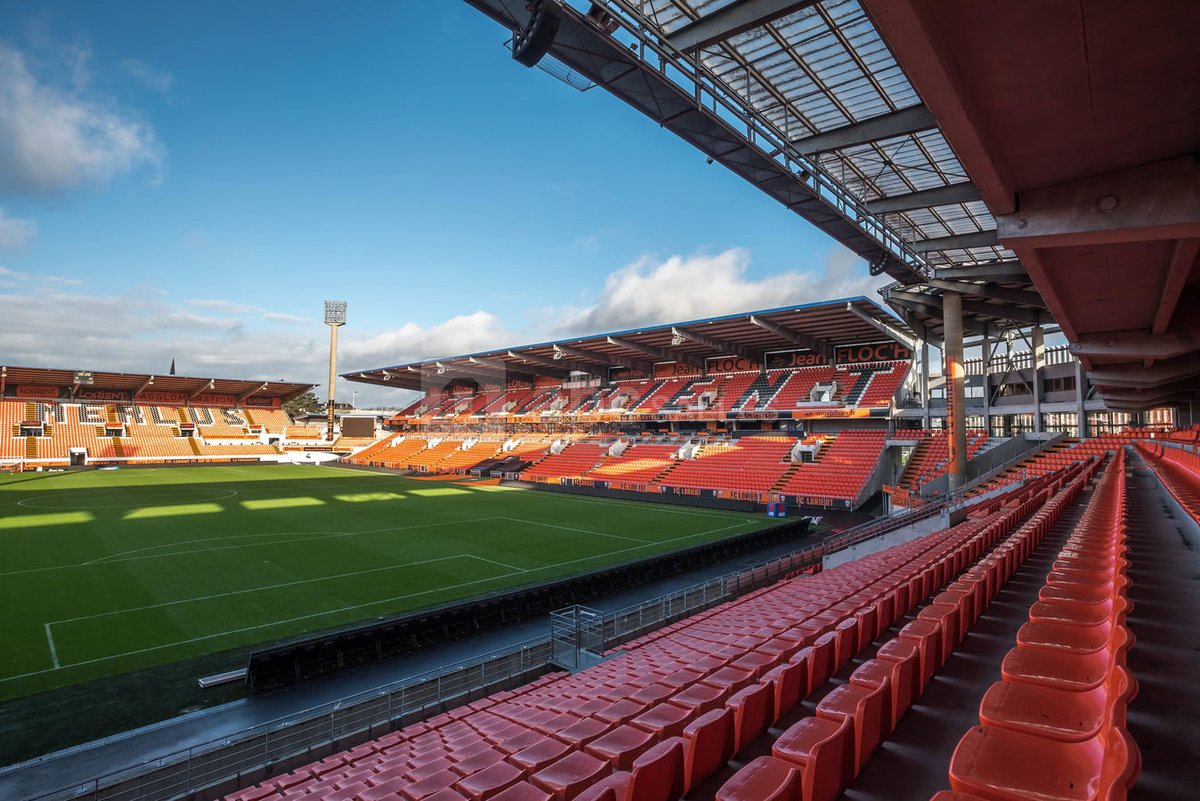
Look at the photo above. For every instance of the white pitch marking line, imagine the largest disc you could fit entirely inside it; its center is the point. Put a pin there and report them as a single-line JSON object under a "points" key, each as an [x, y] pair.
{"points": [[269, 587], [576, 530], [501, 564], [53, 650], [369, 604]]}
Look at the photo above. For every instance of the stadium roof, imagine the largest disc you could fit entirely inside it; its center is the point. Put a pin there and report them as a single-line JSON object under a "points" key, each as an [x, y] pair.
{"points": [[140, 382], [914, 131], [818, 326]]}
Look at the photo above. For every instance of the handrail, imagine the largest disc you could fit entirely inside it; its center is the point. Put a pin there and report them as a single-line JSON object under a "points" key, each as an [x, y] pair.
{"points": [[320, 723]]}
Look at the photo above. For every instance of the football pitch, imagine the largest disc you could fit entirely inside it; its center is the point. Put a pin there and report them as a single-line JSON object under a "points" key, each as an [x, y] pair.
{"points": [[106, 572]]}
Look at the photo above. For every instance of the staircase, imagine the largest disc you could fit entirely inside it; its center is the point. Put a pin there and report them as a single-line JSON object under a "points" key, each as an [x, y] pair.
{"points": [[118, 448], [249, 418], [666, 471], [913, 465], [786, 477], [31, 412], [183, 415], [194, 445], [31, 447], [112, 414]]}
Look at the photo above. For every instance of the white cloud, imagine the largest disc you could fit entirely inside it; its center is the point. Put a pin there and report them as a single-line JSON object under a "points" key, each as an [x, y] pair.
{"points": [[142, 330], [15, 232], [218, 305], [160, 81], [464, 334], [686, 288], [54, 138]]}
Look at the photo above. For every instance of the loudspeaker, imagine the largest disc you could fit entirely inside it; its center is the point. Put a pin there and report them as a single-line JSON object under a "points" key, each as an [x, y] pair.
{"points": [[534, 40]]}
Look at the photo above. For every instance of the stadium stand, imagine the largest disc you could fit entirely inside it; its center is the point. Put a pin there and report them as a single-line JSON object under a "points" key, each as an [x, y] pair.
{"points": [[748, 464], [929, 459], [655, 720], [56, 431], [1178, 471], [574, 460], [1059, 710], [842, 471]]}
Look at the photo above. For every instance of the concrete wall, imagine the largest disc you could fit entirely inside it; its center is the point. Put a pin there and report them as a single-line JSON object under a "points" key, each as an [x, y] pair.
{"points": [[906, 534]]}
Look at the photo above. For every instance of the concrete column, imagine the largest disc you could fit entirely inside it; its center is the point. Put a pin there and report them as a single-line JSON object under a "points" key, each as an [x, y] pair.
{"points": [[1039, 364], [987, 387], [956, 401], [1080, 398], [925, 380]]}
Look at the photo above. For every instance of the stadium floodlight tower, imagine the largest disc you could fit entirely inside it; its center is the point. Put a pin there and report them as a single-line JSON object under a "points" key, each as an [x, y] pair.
{"points": [[335, 318]]}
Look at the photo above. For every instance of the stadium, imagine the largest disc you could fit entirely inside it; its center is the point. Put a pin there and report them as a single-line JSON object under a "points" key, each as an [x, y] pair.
{"points": [[935, 541]]}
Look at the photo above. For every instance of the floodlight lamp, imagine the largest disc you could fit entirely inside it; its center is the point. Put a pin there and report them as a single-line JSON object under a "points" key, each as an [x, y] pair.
{"points": [[335, 312]]}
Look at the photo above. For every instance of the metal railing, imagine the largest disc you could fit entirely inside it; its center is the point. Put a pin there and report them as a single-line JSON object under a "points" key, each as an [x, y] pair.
{"points": [[631, 622], [292, 740]]}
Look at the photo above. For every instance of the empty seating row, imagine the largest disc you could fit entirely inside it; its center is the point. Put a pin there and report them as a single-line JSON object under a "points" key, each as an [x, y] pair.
{"points": [[818, 757], [1059, 710], [656, 720], [1178, 471]]}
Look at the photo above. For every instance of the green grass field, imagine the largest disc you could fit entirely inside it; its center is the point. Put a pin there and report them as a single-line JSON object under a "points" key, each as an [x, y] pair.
{"points": [[112, 571]]}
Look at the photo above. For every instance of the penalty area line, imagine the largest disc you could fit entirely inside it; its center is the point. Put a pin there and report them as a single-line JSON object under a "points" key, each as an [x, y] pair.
{"points": [[53, 650]]}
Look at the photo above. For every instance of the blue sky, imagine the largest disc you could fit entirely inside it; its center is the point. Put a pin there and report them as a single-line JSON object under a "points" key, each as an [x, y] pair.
{"points": [[189, 181]]}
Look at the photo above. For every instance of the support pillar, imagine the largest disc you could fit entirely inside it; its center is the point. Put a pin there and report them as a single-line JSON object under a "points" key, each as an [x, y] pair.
{"points": [[925, 380], [1039, 362], [987, 385], [956, 401], [1080, 398]]}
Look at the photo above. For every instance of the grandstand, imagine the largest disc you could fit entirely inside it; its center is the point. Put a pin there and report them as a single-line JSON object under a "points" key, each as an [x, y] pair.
{"points": [[1013, 620], [50, 419]]}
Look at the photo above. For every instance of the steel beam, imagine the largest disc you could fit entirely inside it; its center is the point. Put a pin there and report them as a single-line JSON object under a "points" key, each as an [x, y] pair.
{"points": [[886, 126], [1183, 263], [978, 239], [803, 340], [1154, 201], [209, 384], [1136, 375], [559, 364], [602, 358], [244, 395], [1138, 344], [932, 305], [718, 346], [558, 371], [883, 327], [737, 17], [925, 199], [1011, 271], [657, 353], [911, 32], [991, 292]]}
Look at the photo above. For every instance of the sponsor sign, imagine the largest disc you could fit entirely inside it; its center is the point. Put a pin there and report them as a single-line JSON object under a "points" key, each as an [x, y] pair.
{"points": [[93, 394], [154, 396], [675, 370], [261, 403], [873, 352], [788, 359], [31, 391], [624, 374], [515, 383], [211, 399], [732, 364]]}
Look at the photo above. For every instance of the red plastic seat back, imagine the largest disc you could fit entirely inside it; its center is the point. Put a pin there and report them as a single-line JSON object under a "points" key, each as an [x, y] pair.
{"points": [[751, 708], [709, 745]]}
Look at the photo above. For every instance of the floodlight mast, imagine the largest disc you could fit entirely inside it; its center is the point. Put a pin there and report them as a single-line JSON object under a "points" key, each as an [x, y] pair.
{"points": [[335, 317]]}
